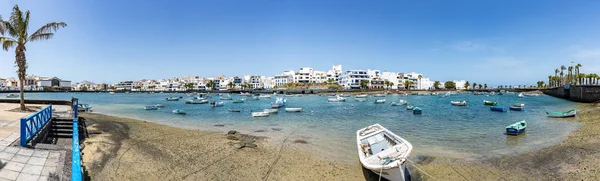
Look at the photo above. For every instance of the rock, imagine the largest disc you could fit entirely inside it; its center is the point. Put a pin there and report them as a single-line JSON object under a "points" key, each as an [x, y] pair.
{"points": [[238, 145], [276, 129], [260, 130], [251, 145], [219, 125], [232, 137], [232, 132], [300, 141]]}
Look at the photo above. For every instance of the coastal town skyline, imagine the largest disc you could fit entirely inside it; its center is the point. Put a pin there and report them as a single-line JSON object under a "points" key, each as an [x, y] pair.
{"points": [[400, 38]]}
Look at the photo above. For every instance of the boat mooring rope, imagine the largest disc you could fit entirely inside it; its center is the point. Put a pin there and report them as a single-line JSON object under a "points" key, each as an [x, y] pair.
{"points": [[421, 170]]}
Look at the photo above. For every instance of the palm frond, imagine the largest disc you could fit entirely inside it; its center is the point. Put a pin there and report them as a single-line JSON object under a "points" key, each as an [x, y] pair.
{"points": [[25, 24], [8, 27], [7, 43], [43, 36], [49, 28], [16, 18], [1, 26]]}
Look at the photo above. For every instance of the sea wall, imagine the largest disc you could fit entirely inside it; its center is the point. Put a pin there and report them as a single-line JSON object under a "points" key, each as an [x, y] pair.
{"points": [[584, 93]]}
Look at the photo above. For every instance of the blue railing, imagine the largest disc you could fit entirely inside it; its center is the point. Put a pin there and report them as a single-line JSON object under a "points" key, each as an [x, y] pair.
{"points": [[76, 169], [32, 124]]}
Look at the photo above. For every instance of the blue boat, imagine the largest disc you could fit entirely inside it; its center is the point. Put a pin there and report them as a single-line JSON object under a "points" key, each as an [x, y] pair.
{"points": [[498, 108], [516, 128], [515, 108], [417, 110]]}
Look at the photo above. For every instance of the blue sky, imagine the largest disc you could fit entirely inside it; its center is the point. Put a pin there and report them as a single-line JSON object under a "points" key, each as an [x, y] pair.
{"points": [[502, 42]]}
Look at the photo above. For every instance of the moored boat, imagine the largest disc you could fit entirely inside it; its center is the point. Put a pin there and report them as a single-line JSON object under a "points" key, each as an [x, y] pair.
{"points": [[489, 103], [238, 101], [498, 109], [196, 101], [160, 105], [379, 101], [234, 110], [279, 102], [172, 98], [379, 95], [399, 103], [260, 114], [150, 108], [516, 108], [179, 111], [264, 96], [293, 109], [271, 111], [519, 105], [521, 95], [409, 107], [383, 152], [516, 128], [217, 104], [458, 103], [226, 97], [564, 114], [336, 99], [84, 108], [344, 95], [417, 110], [12, 95], [361, 96]]}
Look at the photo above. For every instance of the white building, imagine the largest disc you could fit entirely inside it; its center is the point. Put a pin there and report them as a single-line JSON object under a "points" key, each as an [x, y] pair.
{"points": [[334, 73], [393, 78], [268, 82], [351, 78], [53, 82], [460, 84], [286, 77]]}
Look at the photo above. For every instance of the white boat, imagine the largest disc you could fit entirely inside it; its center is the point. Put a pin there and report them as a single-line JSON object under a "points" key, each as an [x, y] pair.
{"points": [[264, 96], [410, 107], [336, 99], [279, 102], [458, 103], [84, 107], [293, 109], [252, 98], [360, 99], [260, 114], [521, 95], [245, 94], [196, 101], [383, 152], [271, 111], [160, 105], [12, 96], [434, 94], [562, 114], [226, 97], [379, 101], [399, 103], [172, 98], [111, 92], [379, 95], [361, 96], [150, 108], [532, 95], [344, 95], [217, 104], [179, 111]]}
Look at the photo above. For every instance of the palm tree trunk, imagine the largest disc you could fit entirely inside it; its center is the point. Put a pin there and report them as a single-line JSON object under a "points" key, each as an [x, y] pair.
{"points": [[22, 67]]}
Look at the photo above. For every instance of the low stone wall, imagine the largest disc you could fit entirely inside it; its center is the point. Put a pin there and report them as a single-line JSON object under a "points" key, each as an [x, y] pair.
{"points": [[583, 93], [33, 101]]}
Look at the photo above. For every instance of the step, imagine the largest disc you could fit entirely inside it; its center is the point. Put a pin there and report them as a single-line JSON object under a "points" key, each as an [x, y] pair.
{"points": [[62, 126]]}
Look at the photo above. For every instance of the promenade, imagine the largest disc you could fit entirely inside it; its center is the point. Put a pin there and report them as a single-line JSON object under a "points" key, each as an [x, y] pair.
{"points": [[20, 163]]}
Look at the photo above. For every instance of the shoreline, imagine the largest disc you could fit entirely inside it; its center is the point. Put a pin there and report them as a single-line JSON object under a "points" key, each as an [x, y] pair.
{"points": [[157, 152]]}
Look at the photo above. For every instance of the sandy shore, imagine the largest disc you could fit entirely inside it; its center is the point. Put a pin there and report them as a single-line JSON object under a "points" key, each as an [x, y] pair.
{"points": [[577, 158], [129, 149]]}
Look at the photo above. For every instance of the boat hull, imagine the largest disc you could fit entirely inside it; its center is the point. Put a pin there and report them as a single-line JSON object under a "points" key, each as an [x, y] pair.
{"points": [[417, 111], [394, 174], [513, 131], [498, 109], [517, 108], [293, 109]]}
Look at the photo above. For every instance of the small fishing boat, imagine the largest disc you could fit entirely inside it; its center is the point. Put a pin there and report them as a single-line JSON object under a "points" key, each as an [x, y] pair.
{"points": [[399, 103], [434, 94], [238, 101], [360, 99], [383, 152], [245, 94], [417, 110], [225, 98], [196, 101], [234, 110], [252, 98], [361, 96], [111, 92], [179, 111], [458, 103], [516, 128], [516, 108], [150, 108], [521, 95], [331, 95], [379, 101], [84, 108], [160, 105], [12, 96], [532, 95], [558, 114], [172, 98], [217, 104], [519, 105], [293, 109], [260, 114], [279, 102], [344, 95], [379, 95], [498, 108], [409, 107], [271, 111], [264, 96], [336, 99], [489, 103], [289, 95], [404, 95]]}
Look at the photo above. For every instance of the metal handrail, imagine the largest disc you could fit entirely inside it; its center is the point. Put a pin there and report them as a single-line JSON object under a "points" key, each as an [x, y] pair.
{"points": [[32, 124], [76, 169]]}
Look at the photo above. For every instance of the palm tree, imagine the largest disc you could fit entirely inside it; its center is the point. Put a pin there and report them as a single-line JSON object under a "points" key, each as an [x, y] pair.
{"points": [[391, 84], [466, 85], [16, 27], [550, 80], [577, 73], [485, 86], [364, 83], [474, 85], [231, 84], [387, 84], [479, 86], [408, 83], [420, 76], [436, 84], [562, 69], [570, 70]]}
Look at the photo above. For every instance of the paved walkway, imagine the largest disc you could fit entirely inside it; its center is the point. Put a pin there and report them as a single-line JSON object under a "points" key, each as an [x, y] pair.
{"points": [[19, 163]]}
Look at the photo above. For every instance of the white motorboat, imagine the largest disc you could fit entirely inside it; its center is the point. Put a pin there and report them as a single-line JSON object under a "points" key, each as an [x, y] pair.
{"points": [[172, 98], [271, 111], [293, 109], [399, 103], [379, 101], [260, 114], [360, 99], [383, 152], [217, 104], [344, 95], [279, 102], [361, 96], [196, 101], [12, 96], [225, 97], [264, 96], [111, 92], [245, 94], [379, 95], [521, 95], [336, 99], [458, 103], [150, 107]]}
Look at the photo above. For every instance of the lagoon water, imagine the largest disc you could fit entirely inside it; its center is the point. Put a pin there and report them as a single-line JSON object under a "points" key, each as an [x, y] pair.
{"points": [[471, 132]]}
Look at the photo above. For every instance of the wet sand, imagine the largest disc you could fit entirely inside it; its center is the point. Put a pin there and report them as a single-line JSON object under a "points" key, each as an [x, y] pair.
{"points": [[129, 149], [577, 158]]}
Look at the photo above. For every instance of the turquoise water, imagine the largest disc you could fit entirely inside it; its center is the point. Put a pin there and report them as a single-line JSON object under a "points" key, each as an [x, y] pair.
{"points": [[442, 130]]}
